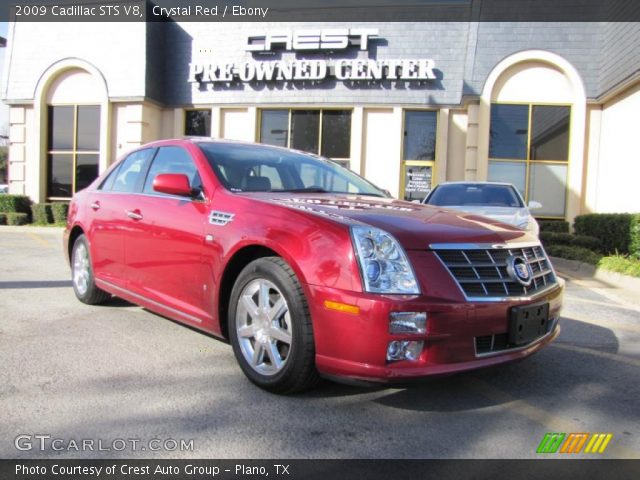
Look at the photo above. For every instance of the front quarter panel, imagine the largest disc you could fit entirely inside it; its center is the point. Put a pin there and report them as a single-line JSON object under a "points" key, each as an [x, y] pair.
{"points": [[318, 250]]}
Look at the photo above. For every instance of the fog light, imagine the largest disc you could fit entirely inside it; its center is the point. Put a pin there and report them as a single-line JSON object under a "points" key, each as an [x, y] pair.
{"points": [[407, 322], [404, 350]]}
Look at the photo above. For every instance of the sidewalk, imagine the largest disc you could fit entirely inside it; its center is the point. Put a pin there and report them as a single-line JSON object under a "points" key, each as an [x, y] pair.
{"points": [[30, 229], [618, 287]]}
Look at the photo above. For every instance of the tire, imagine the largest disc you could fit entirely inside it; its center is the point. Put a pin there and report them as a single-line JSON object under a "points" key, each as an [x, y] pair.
{"points": [[270, 327], [82, 274]]}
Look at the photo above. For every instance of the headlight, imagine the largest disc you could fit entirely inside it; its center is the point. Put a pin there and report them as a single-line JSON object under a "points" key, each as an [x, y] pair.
{"points": [[384, 266], [530, 225]]}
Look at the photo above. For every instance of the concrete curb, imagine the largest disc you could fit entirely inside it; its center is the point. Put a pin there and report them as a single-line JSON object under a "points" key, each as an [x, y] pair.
{"points": [[30, 229], [581, 269]]}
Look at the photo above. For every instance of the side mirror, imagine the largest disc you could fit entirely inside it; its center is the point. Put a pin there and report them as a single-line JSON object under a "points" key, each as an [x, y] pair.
{"points": [[172, 184], [533, 205]]}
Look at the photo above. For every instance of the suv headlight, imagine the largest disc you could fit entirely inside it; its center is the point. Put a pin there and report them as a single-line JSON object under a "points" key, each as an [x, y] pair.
{"points": [[384, 266]]}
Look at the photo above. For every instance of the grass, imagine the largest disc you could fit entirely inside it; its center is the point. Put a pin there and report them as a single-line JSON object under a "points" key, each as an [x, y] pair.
{"points": [[621, 264], [613, 263]]}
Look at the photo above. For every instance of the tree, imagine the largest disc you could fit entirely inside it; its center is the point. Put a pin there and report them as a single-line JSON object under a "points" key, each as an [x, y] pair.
{"points": [[4, 155]]}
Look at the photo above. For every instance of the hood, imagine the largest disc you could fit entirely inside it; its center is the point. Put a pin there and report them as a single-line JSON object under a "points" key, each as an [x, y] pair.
{"points": [[414, 225], [511, 215]]}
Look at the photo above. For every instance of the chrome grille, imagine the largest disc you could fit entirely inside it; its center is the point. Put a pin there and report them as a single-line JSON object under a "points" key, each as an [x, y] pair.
{"points": [[482, 272]]}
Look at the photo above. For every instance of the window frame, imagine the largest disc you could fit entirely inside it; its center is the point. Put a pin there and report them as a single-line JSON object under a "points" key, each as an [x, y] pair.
{"points": [[406, 163], [74, 152], [343, 161], [528, 162]]}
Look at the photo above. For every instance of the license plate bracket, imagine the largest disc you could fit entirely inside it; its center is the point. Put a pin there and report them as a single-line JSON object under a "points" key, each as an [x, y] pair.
{"points": [[528, 323]]}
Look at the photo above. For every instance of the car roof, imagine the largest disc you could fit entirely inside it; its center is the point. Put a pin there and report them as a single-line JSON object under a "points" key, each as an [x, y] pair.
{"points": [[473, 182], [200, 140]]}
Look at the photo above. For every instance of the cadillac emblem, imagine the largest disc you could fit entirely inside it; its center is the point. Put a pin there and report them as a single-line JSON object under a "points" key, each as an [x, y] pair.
{"points": [[519, 270]]}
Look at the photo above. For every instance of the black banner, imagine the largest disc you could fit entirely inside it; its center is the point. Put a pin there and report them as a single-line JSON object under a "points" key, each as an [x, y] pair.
{"points": [[321, 10], [318, 469]]}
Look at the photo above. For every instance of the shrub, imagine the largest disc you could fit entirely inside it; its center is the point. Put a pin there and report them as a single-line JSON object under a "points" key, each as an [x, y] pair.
{"points": [[618, 232], [573, 253], [41, 213], [3, 218], [584, 241], [17, 218], [620, 264], [558, 226], [60, 211], [15, 203]]}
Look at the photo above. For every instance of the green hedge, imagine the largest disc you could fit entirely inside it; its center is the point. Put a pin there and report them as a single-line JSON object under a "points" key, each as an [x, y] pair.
{"points": [[17, 218], [60, 211], [556, 226], [42, 214], [584, 241], [573, 253], [15, 203], [619, 233]]}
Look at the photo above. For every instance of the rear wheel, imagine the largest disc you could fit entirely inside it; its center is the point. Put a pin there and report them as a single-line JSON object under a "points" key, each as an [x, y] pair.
{"points": [[82, 274], [270, 327]]}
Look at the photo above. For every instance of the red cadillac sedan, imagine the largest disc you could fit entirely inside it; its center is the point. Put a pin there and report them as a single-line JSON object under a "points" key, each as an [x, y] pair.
{"points": [[306, 268]]}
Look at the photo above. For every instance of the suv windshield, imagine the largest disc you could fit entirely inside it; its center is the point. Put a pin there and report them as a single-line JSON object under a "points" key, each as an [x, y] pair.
{"points": [[473, 194], [256, 168]]}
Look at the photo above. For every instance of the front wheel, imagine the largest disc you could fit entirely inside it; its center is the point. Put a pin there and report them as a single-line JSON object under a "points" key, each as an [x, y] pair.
{"points": [[270, 327], [82, 274]]}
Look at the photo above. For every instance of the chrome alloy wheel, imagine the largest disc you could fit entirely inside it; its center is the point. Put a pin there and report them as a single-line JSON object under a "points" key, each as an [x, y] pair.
{"points": [[81, 268], [264, 328]]}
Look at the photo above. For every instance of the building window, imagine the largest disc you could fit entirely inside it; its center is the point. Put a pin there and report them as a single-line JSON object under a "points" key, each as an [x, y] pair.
{"points": [[323, 132], [197, 123], [73, 148], [418, 153], [529, 147]]}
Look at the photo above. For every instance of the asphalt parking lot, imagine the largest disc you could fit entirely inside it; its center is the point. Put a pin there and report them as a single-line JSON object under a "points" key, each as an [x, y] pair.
{"points": [[76, 372]]}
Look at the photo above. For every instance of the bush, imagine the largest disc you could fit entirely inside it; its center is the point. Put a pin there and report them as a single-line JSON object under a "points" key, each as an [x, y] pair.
{"points": [[60, 211], [17, 218], [618, 232], [620, 264], [41, 213], [3, 218], [557, 226], [584, 241], [573, 253], [15, 203]]}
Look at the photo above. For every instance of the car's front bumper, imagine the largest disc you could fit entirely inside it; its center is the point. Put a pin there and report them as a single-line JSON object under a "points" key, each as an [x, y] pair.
{"points": [[355, 345]]}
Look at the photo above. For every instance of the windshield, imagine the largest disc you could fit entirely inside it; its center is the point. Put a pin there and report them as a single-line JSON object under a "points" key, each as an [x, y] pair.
{"points": [[258, 168], [472, 194]]}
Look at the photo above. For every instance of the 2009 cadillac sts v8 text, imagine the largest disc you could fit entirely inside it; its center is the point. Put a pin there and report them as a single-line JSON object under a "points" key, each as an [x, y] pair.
{"points": [[306, 268]]}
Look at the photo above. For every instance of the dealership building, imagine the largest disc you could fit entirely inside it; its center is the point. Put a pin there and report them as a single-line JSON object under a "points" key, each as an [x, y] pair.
{"points": [[553, 108]]}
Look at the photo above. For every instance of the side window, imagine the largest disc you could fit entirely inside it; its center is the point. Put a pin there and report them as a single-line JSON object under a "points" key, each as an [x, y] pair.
{"points": [[173, 160], [107, 184], [131, 171]]}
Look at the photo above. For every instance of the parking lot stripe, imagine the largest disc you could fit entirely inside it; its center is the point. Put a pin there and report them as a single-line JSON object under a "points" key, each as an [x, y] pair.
{"points": [[590, 351], [38, 239]]}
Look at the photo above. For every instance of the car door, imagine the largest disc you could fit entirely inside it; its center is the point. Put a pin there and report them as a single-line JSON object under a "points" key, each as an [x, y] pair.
{"points": [[108, 221], [166, 237]]}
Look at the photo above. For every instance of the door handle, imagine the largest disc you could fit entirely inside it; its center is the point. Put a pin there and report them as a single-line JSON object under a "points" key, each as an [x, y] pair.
{"points": [[95, 206], [134, 214]]}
